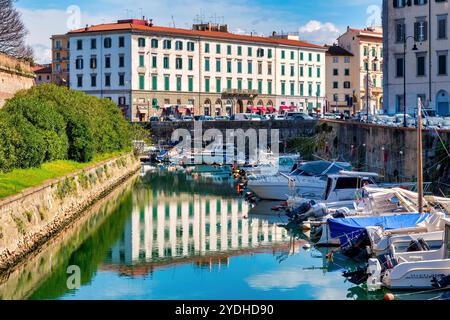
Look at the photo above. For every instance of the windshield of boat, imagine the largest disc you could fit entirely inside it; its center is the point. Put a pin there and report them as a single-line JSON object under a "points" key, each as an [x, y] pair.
{"points": [[318, 168]]}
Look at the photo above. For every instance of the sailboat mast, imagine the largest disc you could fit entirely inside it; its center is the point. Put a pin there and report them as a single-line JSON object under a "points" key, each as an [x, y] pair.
{"points": [[419, 157]]}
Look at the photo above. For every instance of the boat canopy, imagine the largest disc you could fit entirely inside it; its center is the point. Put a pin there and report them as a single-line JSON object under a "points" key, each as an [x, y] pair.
{"points": [[350, 228], [317, 168]]}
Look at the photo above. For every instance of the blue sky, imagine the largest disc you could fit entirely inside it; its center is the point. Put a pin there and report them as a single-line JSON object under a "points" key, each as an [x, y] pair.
{"points": [[318, 21]]}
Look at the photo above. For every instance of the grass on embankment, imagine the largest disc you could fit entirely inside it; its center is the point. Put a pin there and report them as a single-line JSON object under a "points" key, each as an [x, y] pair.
{"points": [[19, 179]]}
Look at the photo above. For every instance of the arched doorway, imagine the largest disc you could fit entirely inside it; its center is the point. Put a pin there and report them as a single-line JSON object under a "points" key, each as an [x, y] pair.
{"points": [[229, 107], [240, 107], [270, 106], [218, 107], [442, 103], [207, 107]]}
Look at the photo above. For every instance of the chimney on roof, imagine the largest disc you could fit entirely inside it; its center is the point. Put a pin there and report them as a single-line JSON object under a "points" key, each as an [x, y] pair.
{"points": [[274, 33], [86, 28]]}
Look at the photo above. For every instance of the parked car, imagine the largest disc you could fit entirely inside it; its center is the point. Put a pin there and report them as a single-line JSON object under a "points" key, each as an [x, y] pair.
{"points": [[332, 116], [170, 119], [154, 119], [203, 118], [222, 118], [240, 117], [187, 118], [445, 125], [279, 117], [291, 115], [302, 116], [254, 117]]}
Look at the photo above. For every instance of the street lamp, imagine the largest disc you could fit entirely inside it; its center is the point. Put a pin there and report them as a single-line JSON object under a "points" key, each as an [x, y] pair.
{"points": [[404, 75]]}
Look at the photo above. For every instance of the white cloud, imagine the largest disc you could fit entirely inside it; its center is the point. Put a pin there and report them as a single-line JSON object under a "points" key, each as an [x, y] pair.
{"points": [[319, 32], [285, 279], [42, 24], [45, 22]]}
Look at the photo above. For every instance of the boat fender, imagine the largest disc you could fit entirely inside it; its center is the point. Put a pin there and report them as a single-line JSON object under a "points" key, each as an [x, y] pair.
{"points": [[389, 297]]}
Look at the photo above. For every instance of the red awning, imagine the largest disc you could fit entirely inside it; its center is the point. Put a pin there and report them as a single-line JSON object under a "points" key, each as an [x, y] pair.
{"points": [[262, 108], [271, 109], [252, 109], [284, 107]]}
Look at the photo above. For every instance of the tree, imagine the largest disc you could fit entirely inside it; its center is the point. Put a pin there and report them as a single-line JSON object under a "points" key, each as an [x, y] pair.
{"points": [[13, 32]]}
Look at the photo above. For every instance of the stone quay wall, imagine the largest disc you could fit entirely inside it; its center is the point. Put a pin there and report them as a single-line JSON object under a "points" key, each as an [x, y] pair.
{"points": [[390, 151], [31, 218], [15, 75]]}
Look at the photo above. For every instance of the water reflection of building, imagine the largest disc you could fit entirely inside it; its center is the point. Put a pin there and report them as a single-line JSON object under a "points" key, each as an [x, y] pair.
{"points": [[205, 230]]}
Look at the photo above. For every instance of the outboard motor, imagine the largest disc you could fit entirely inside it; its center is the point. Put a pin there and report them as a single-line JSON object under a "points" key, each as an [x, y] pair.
{"points": [[357, 277]]}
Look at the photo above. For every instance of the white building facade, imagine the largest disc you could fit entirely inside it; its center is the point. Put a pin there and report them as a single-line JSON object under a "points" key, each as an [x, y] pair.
{"points": [[423, 26], [148, 70]]}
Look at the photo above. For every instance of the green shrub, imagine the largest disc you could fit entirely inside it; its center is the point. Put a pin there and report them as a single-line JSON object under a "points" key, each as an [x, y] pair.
{"points": [[49, 122]]}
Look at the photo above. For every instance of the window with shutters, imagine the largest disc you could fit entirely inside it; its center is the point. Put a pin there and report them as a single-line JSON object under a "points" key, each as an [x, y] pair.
{"points": [[178, 45], [399, 31], [218, 85], [166, 83], [420, 2], [218, 66], [442, 27], [179, 63], [421, 30], [141, 42], [93, 62], [399, 3], [154, 82], [107, 62], [167, 44], [191, 84], [108, 80], [107, 43], [178, 83], [121, 42], [420, 64], [442, 63], [399, 67], [93, 80]]}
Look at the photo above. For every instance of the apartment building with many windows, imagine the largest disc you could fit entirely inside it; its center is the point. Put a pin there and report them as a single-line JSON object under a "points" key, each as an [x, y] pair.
{"points": [[366, 67], [420, 71], [60, 60], [148, 70], [339, 89]]}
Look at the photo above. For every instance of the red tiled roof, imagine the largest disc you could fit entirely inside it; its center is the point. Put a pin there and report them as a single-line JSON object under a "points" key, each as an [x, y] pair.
{"points": [[42, 69], [135, 25]]}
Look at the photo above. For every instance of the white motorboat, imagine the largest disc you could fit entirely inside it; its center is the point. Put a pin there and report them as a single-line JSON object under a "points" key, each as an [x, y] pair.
{"points": [[308, 180], [412, 270], [341, 190], [270, 165]]}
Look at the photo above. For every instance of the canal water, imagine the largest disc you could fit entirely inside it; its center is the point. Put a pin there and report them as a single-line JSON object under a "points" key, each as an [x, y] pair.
{"points": [[169, 236]]}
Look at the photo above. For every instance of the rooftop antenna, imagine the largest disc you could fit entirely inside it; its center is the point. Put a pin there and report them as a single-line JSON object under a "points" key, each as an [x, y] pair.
{"points": [[140, 11], [173, 22]]}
